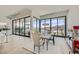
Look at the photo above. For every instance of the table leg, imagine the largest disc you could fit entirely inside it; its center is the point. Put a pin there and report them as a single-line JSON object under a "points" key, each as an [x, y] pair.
{"points": [[43, 42], [47, 44], [53, 41]]}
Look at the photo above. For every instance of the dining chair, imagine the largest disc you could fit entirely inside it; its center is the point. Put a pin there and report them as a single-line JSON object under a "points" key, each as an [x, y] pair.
{"points": [[37, 41]]}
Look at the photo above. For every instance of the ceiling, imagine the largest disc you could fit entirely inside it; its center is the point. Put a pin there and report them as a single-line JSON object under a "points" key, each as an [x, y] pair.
{"points": [[37, 10]]}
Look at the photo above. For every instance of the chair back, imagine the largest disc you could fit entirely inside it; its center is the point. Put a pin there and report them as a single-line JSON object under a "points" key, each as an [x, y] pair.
{"points": [[35, 38]]}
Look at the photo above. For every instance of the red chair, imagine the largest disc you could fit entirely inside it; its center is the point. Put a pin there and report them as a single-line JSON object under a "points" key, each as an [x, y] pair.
{"points": [[75, 42], [75, 46]]}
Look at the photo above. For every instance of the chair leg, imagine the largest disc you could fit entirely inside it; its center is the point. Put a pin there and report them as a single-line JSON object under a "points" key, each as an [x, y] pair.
{"points": [[34, 47], [53, 41], [74, 51], [39, 49], [47, 43], [43, 44], [69, 52]]}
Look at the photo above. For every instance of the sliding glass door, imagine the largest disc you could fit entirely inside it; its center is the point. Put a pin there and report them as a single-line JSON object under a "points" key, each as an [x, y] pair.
{"points": [[43, 27], [27, 26], [17, 26], [13, 27], [37, 25], [34, 24], [21, 26], [54, 26], [47, 26], [61, 26]]}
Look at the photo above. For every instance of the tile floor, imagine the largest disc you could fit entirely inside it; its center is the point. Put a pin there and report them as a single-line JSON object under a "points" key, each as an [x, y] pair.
{"points": [[16, 45]]}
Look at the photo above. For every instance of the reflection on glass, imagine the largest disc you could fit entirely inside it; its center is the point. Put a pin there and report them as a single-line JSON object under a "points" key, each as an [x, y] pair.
{"points": [[21, 26], [43, 26], [27, 26], [47, 26], [17, 27], [38, 25], [34, 24], [61, 26], [54, 26], [13, 27]]}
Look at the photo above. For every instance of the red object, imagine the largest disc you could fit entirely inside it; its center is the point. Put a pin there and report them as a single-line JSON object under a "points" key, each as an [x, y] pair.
{"points": [[76, 41], [76, 44], [75, 27]]}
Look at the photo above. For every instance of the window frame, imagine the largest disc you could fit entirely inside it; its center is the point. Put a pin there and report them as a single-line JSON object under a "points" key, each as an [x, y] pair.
{"points": [[57, 24]]}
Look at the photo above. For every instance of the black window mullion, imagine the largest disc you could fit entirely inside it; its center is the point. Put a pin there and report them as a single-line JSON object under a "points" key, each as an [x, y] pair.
{"points": [[50, 25], [57, 26], [12, 26], [24, 26], [19, 26], [45, 25], [65, 26], [15, 26], [39, 25], [36, 24]]}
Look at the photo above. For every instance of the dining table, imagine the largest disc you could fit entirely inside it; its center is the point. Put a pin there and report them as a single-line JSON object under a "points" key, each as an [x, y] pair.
{"points": [[47, 38]]}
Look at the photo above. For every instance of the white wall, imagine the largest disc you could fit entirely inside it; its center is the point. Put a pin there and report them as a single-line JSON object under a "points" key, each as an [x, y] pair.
{"points": [[22, 13], [73, 17]]}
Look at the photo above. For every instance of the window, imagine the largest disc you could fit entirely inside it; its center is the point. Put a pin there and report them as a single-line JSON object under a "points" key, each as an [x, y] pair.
{"points": [[13, 28], [54, 26], [27, 26], [21, 26], [34, 24], [43, 26], [37, 21], [17, 27], [47, 26], [61, 26]]}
